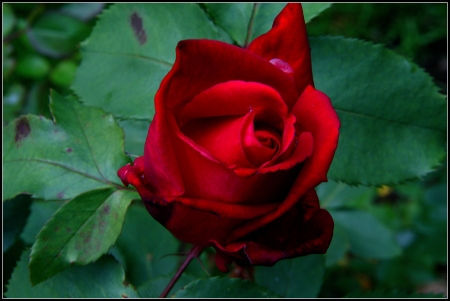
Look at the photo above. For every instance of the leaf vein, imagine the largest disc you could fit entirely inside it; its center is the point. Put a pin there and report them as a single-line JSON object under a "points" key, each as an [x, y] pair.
{"points": [[87, 142], [250, 25], [389, 120], [139, 56], [102, 180], [88, 218]]}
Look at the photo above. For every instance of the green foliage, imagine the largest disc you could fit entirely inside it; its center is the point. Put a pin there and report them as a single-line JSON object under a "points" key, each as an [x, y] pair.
{"points": [[156, 285], [217, 287], [8, 19], [15, 215], [102, 279], [82, 11], [338, 247], [57, 34], [144, 243], [33, 66], [79, 232], [294, 278], [132, 46], [391, 294], [233, 18], [367, 237], [246, 21], [395, 99], [63, 73], [41, 212], [45, 159], [35, 37], [311, 10], [134, 131]]}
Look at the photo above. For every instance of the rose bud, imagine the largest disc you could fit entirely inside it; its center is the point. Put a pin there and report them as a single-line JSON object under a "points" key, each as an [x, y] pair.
{"points": [[238, 143]]}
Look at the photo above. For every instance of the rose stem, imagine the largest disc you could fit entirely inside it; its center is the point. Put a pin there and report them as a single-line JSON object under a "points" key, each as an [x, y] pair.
{"points": [[194, 252]]}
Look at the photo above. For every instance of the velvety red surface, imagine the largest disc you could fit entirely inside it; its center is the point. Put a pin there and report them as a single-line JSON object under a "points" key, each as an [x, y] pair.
{"points": [[238, 143]]}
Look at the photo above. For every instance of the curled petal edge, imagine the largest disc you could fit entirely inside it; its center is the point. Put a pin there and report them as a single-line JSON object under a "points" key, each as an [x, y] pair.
{"points": [[251, 251], [323, 123], [133, 174]]}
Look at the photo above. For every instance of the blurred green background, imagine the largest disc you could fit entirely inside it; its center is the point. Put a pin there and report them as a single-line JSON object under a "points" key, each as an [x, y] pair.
{"points": [[41, 52]]}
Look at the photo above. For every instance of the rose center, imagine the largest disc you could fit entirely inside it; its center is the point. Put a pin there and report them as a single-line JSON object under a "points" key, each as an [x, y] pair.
{"points": [[267, 142], [267, 136]]}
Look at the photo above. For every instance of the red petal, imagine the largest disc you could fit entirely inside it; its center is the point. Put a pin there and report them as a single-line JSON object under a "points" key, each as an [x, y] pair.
{"points": [[220, 136], [133, 174], [232, 98], [201, 64], [161, 163], [255, 151], [316, 115], [305, 229], [207, 178], [303, 150], [287, 41], [226, 210], [190, 225]]}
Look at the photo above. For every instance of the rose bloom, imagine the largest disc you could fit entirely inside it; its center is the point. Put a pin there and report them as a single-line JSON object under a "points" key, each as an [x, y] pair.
{"points": [[238, 143]]}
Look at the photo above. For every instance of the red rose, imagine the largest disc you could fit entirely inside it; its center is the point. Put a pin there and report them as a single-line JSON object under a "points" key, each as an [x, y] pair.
{"points": [[239, 141]]}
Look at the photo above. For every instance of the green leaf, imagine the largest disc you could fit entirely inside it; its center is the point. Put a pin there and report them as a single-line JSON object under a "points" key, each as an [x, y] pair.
{"points": [[32, 66], [155, 286], [299, 277], [8, 19], [103, 279], [135, 134], [130, 50], [41, 212], [338, 246], [63, 159], [263, 17], [217, 287], [393, 120], [79, 232], [436, 199], [368, 238], [82, 11], [265, 13], [234, 18], [381, 293], [334, 195], [240, 20], [312, 10], [15, 215], [144, 244], [12, 101], [63, 73], [57, 35]]}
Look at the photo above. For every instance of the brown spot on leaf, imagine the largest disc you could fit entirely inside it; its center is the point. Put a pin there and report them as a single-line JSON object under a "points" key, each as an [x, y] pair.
{"points": [[106, 210], [124, 296], [23, 129], [136, 25], [60, 195], [69, 150], [69, 230]]}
